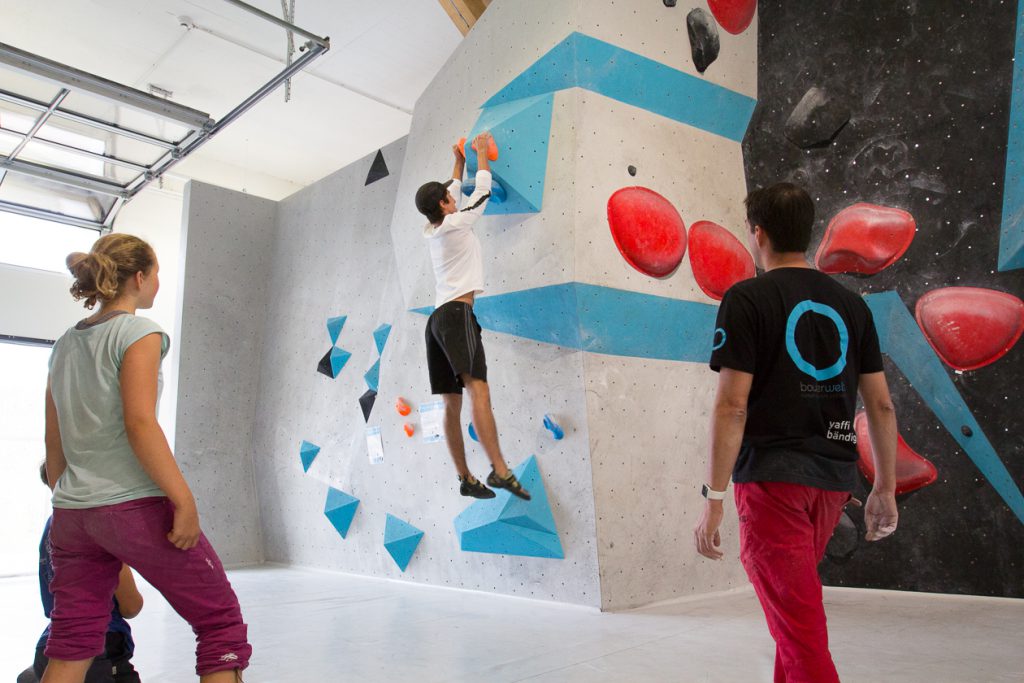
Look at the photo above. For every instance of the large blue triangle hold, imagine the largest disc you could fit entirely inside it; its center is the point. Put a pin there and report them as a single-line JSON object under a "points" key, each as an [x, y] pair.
{"points": [[340, 508], [334, 326], [380, 337], [308, 452], [507, 525], [372, 376], [401, 540], [522, 130]]}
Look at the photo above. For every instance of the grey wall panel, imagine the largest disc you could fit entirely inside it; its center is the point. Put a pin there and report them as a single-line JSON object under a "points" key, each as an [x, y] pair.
{"points": [[227, 237]]}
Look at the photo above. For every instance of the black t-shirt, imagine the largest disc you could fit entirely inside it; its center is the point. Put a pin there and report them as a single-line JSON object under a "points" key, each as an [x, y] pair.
{"points": [[806, 340]]}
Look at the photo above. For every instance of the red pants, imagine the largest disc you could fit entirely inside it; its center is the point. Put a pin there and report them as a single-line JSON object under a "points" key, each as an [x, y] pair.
{"points": [[88, 548], [784, 529]]}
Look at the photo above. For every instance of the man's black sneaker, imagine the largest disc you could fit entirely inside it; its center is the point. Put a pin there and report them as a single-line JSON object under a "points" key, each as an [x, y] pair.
{"points": [[472, 487], [509, 483]]}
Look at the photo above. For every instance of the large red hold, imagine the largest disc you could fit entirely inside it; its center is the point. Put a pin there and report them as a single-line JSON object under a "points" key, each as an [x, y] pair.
{"points": [[733, 15], [912, 470], [970, 327], [647, 229], [865, 239], [718, 259]]}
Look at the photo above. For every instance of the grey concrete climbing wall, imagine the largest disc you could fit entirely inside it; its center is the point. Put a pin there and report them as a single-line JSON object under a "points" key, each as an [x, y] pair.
{"points": [[623, 483], [227, 248]]}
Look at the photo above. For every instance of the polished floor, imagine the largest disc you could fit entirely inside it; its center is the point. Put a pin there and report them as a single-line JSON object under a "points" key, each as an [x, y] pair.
{"points": [[307, 625]]}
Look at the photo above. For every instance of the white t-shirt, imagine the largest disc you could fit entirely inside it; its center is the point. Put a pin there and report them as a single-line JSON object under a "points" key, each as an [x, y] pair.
{"points": [[455, 248]]}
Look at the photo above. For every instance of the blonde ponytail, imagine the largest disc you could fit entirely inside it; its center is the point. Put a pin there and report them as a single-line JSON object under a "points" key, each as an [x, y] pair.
{"points": [[100, 274]]}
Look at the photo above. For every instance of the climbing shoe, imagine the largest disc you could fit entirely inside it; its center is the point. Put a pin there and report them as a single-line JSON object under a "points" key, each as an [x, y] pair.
{"points": [[509, 483], [470, 486]]}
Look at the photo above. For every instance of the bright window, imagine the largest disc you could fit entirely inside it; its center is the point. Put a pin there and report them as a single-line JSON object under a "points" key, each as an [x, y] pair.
{"points": [[24, 499]]}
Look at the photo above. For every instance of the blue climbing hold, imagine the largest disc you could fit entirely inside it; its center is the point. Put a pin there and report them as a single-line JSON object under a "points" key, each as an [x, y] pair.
{"points": [[498, 194], [507, 525], [372, 376], [380, 337], [553, 427], [340, 508], [401, 540], [472, 433], [334, 326], [338, 359], [307, 453]]}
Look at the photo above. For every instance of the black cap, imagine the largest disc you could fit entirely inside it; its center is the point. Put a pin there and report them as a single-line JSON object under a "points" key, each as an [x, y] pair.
{"points": [[430, 195]]}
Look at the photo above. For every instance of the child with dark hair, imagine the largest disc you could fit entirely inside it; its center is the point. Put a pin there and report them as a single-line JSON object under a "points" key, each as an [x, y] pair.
{"points": [[114, 665]]}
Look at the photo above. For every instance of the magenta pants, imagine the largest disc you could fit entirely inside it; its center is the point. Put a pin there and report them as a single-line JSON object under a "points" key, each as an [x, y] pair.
{"points": [[89, 546], [784, 529]]}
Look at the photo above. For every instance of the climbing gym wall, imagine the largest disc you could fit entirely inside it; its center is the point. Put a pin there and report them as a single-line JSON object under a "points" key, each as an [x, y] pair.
{"points": [[628, 135], [227, 240], [326, 499], [898, 117], [609, 93]]}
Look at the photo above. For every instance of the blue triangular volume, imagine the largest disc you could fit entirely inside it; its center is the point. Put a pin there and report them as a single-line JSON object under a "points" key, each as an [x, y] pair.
{"points": [[372, 376], [380, 337], [507, 525], [334, 326], [522, 130], [401, 540], [338, 359], [307, 453], [340, 508]]}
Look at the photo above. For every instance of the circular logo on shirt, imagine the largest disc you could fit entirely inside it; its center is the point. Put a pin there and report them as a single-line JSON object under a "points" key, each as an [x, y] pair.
{"points": [[719, 341], [808, 306]]}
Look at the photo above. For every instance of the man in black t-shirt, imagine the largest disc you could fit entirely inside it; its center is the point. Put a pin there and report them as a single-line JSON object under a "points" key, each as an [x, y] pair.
{"points": [[792, 348]]}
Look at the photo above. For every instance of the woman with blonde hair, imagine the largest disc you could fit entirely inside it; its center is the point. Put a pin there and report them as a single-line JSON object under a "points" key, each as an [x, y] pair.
{"points": [[119, 496]]}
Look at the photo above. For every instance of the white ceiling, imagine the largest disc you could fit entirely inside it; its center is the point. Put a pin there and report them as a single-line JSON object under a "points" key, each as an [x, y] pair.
{"points": [[354, 99]]}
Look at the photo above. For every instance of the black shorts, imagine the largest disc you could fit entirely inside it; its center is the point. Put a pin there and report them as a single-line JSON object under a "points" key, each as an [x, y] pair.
{"points": [[454, 348]]}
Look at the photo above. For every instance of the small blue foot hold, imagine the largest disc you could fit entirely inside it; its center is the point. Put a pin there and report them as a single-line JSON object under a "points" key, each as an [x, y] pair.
{"points": [[472, 433], [553, 427]]}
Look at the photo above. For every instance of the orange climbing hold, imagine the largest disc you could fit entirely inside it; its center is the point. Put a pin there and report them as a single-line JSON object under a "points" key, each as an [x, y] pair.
{"points": [[402, 407], [492, 149], [409, 429]]}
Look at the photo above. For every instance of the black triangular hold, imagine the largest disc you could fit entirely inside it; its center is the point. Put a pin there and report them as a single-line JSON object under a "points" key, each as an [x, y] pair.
{"points": [[324, 366], [378, 170], [366, 403]]}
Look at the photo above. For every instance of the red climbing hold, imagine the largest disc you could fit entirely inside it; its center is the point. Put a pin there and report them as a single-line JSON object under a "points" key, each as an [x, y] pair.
{"points": [[718, 259], [865, 238], [970, 327], [912, 470], [647, 229], [733, 15]]}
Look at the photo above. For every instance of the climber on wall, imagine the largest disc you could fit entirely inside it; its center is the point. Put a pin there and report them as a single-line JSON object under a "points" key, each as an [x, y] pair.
{"points": [[455, 350]]}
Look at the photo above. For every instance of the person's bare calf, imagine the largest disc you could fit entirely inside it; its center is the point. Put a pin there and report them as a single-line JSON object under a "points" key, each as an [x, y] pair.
{"points": [[453, 432], [483, 421]]}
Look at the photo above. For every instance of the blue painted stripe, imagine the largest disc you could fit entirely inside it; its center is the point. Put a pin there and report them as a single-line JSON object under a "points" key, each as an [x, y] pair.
{"points": [[622, 323], [586, 62], [903, 341], [1011, 242], [604, 320]]}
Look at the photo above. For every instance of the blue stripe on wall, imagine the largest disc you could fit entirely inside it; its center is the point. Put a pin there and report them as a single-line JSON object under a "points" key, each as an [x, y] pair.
{"points": [[599, 319], [903, 341], [592, 64]]}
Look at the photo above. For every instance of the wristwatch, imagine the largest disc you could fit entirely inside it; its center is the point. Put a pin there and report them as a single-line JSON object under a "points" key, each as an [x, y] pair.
{"points": [[711, 494]]}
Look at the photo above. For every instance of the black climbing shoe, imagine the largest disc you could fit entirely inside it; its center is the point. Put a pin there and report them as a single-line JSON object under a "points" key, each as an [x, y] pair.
{"points": [[509, 483], [472, 487]]}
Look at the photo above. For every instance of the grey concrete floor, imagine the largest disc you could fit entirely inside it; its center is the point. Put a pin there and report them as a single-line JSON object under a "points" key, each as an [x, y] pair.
{"points": [[308, 625]]}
